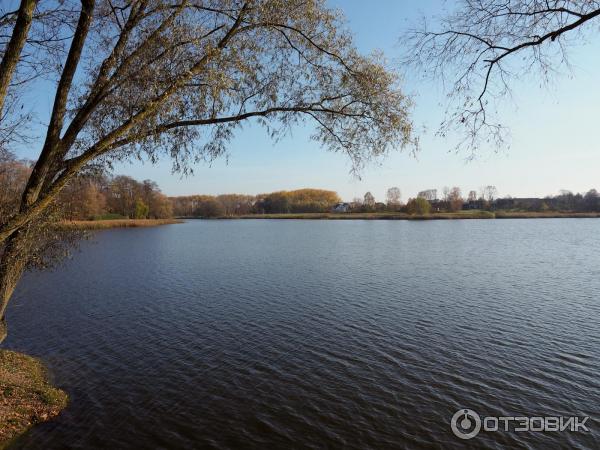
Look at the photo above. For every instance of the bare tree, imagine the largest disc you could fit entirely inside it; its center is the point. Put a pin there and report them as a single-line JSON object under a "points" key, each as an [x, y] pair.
{"points": [[455, 199], [393, 196], [482, 47], [489, 193], [472, 196], [428, 194], [180, 77], [446, 193], [369, 200]]}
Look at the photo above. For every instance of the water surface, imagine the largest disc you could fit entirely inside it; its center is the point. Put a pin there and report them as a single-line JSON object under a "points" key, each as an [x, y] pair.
{"points": [[318, 334]]}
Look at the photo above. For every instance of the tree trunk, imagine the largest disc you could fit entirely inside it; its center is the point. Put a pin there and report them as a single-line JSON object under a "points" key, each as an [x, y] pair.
{"points": [[15, 45], [12, 265]]}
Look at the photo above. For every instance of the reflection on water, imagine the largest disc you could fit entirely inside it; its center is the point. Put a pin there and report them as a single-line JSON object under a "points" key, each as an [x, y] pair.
{"points": [[315, 334]]}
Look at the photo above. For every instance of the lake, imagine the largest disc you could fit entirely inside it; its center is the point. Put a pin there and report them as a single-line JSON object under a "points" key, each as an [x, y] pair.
{"points": [[318, 334]]}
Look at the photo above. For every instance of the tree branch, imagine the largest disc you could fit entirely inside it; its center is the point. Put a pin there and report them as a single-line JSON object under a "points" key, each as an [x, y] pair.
{"points": [[15, 46], [45, 161], [31, 210]]}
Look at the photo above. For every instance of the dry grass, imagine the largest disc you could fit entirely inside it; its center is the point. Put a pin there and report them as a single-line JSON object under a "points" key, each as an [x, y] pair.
{"points": [[544, 215], [471, 214], [372, 216], [118, 223], [26, 398]]}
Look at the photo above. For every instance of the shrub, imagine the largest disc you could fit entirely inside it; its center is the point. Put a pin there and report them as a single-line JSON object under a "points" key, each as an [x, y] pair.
{"points": [[418, 206], [141, 209]]}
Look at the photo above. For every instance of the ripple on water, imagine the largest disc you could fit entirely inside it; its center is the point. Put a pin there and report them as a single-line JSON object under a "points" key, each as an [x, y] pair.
{"points": [[310, 334]]}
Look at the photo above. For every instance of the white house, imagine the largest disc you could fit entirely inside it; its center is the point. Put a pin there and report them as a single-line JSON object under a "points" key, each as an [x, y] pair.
{"points": [[341, 208]]}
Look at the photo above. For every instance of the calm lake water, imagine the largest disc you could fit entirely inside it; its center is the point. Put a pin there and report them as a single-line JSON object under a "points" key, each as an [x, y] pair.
{"points": [[318, 334]]}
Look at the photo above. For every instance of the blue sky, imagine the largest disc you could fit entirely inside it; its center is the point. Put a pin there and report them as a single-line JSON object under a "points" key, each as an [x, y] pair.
{"points": [[554, 134]]}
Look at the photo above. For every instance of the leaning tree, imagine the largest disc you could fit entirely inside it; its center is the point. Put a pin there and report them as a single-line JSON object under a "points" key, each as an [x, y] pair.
{"points": [[481, 47], [137, 79]]}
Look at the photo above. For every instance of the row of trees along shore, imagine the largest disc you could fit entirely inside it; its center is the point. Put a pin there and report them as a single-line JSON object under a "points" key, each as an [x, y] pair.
{"points": [[486, 198], [88, 197], [427, 201], [281, 202], [99, 196]]}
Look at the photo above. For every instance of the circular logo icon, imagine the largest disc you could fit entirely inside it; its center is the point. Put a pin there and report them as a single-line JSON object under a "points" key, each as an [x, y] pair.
{"points": [[465, 424]]}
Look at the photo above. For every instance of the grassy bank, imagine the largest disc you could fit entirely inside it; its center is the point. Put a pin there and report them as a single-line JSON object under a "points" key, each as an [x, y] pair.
{"points": [[118, 223], [473, 214], [26, 397], [545, 215], [372, 216]]}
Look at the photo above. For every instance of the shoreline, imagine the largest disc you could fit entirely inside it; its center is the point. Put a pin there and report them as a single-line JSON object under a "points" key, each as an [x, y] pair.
{"points": [[466, 215], [27, 397], [116, 223]]}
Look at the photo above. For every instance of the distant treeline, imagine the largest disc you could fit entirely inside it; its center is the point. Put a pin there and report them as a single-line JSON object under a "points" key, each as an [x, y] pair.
{"points": [[281, 202], [321, 201], [89, 196], [486, 199], [99, 196], [566, 201]]}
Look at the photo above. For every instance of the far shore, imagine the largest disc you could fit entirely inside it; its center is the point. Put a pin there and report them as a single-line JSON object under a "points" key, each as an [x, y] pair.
{"points": [[403, 216], [116, 223], [468, 215]]}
